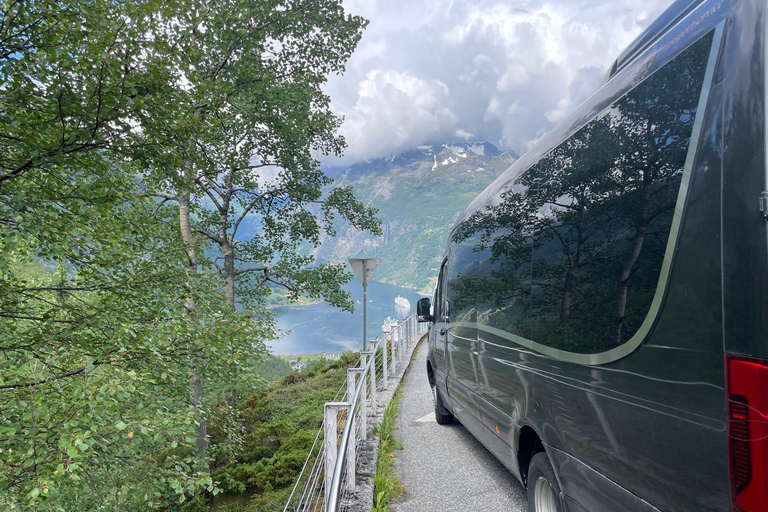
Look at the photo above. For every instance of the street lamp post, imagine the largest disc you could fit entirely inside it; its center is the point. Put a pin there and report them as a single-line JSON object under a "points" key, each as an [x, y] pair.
{"points": [[364, 269]]}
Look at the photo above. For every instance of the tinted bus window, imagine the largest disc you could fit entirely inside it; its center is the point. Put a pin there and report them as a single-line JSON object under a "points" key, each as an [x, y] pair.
{"points": [[440, 295], [570, 254], [490, 267], [464, 279]]}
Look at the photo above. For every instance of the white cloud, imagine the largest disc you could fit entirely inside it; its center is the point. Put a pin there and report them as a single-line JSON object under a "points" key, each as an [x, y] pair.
{"points": [[462, 134], [499, 70], [393, 109]]}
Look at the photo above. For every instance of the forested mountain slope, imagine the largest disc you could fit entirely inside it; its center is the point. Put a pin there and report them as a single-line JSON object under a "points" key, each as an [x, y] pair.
{"points": [[419, 194]]}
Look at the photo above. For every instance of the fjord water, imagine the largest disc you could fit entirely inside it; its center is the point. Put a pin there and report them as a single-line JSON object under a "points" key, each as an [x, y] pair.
{"points": [[324, 328]]}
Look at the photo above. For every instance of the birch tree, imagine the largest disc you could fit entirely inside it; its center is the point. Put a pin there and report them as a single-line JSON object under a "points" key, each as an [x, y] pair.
{"points": [[260, 117]]}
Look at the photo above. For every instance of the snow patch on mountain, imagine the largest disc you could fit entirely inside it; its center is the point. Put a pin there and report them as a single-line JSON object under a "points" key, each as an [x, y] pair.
{"points": [[442, 154], [456, 150], [471, 148], [478, 149]]}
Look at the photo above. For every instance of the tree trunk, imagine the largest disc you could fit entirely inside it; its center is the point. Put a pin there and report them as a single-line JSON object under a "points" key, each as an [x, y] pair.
{"points": [[195, 377], [227, 241], [570, 278], [565, 304], [620, 304], [229, 272]]}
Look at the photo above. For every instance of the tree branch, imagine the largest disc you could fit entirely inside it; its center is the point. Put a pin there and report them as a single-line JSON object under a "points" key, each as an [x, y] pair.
{"points": [[253, 269]]}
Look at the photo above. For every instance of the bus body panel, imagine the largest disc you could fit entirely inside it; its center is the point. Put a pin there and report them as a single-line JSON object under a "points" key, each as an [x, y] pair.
{"points": [[745, 264], [591, 490], [646, 431]]}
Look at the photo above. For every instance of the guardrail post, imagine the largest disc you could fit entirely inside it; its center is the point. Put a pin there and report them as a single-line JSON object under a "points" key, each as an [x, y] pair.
{"points": [[398, 349], [350, 384], [351, 447], [351, 420], [392, 349], [330, 424], [363, 403], [404, 343], [384, 363], [408, 330], [405, 340], [372, 374]]}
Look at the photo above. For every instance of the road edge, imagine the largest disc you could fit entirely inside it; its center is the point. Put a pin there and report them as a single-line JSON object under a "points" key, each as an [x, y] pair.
{"points": [[363, 499]]}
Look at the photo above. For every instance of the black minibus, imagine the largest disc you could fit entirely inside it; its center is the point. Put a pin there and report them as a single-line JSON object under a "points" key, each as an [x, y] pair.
{"points": [[600, 318]]}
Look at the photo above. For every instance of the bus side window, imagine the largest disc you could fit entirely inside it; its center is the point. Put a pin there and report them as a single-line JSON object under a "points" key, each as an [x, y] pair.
{"points": [[440, 296]]}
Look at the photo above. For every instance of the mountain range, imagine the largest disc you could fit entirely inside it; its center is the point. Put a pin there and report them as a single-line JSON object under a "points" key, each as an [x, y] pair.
{"points": [[419, 194]]}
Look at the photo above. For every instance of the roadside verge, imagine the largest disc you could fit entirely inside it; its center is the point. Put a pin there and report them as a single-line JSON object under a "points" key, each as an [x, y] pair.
{"points": [[363, 498]]}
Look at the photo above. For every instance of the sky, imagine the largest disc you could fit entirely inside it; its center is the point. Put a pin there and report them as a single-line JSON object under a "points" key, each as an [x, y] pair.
{"points": [[503, 71]]}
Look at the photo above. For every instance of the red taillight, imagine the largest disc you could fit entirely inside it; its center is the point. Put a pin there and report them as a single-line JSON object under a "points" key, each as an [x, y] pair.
{"points": [[748, 433]]}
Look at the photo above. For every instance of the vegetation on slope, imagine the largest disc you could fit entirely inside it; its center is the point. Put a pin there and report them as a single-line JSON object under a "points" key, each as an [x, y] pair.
{"points": [[279, 425], [386, 485], [272, 367]]}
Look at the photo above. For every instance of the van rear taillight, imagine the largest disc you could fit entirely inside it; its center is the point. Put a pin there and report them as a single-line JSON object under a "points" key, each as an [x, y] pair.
{"points": [[748, 433]]}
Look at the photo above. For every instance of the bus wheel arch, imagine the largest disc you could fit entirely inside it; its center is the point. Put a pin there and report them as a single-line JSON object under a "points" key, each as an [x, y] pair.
{"points": [[528, 445]]}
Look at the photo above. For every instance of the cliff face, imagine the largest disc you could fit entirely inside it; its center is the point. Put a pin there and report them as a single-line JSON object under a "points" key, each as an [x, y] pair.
{"points": [[419, 194]]}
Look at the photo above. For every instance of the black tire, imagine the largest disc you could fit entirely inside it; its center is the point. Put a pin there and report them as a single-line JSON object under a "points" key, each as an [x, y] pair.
{"points": [[541, 468], [442, 415]]}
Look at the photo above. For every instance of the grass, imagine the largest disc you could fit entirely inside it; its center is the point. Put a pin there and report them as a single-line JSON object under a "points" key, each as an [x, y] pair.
{"points": [[386, 485]]}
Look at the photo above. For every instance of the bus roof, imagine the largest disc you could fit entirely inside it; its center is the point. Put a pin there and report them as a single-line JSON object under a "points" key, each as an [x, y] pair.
{"points": [[674, 13]]}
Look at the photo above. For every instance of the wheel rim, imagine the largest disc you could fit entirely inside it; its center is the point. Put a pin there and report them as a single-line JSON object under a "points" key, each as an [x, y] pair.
{"points": [[546, 501], [434, 396]]}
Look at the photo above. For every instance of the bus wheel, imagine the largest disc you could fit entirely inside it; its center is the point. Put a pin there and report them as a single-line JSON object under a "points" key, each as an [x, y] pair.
{"points": [[442, 416], [543, 490]]}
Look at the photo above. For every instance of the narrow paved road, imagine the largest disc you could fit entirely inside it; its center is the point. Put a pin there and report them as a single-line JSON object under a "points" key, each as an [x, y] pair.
{"points": [[443, 467]]}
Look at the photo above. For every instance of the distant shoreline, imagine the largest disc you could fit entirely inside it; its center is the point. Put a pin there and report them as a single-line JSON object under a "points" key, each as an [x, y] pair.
{"points": [[306, 302], [300, 303], [310, 356]]}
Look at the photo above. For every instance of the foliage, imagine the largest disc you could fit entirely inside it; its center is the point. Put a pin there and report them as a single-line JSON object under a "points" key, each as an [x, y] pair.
{"points": [[93, 379], [101, 115]]}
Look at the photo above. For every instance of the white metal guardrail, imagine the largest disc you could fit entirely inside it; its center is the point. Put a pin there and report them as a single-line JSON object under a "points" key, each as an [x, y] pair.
{"points": [[328, 475]]}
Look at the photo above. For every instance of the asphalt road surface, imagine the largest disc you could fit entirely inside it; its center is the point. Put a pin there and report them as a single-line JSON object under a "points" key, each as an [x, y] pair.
{"points": [[443, 467]]}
